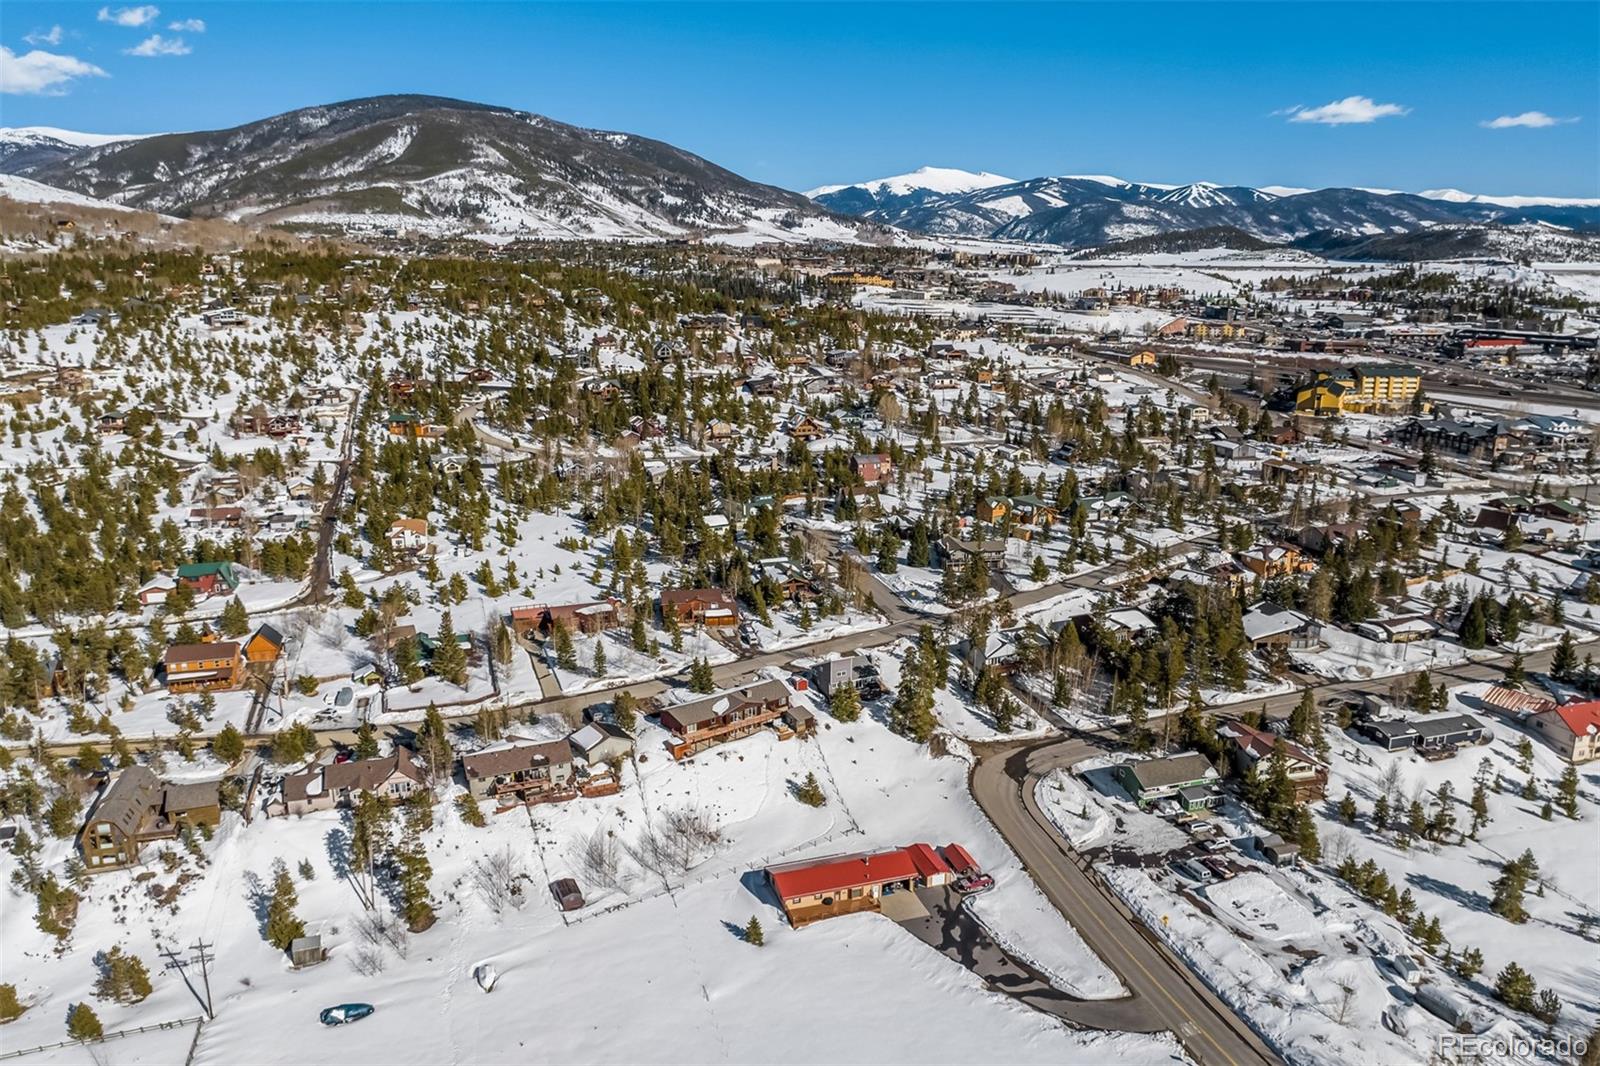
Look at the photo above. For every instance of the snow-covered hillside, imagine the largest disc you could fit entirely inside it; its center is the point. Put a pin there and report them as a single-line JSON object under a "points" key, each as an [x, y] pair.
{"points": [[27, 191]]}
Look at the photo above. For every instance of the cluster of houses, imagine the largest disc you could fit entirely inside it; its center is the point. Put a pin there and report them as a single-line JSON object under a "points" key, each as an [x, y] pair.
{"points": [[512, 771]]}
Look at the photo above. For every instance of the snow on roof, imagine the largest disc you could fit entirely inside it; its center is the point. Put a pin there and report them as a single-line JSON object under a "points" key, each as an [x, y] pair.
{"points": [[1269, 619], [1130, 618]]}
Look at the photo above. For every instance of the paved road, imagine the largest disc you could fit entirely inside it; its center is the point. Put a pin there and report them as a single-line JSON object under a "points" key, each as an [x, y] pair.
{"points": [[1163, 993]]}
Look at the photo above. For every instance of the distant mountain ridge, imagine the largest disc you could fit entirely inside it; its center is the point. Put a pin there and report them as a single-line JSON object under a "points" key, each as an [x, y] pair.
{"points": [[22, 147], [1090, 211], [439, 166]]}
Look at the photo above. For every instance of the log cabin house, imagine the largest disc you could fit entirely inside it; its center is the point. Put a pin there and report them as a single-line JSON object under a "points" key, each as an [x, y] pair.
{"points": [[707, 607], [203, 667]]}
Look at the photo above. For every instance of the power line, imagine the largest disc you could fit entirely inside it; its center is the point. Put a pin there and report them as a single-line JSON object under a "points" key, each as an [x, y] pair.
{"points": [[203, 958]]}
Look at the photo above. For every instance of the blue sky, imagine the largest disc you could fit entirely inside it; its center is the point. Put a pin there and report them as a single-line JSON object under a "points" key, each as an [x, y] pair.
{"points": [[1379, 94]]}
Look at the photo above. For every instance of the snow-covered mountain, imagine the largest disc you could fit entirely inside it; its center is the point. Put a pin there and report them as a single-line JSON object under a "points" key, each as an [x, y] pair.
{"points": [[1081, 211], [27, 191], [1456, 196], [22, 147], [445, 167], [904, 192], [942, 180]]}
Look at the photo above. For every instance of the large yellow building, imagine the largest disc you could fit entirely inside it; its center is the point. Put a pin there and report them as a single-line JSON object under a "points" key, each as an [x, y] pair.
{"points": [[1364, 387]]}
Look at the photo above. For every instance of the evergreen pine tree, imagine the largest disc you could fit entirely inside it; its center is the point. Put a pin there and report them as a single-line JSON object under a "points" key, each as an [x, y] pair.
{"points": [[11, 1007], [471, 813], [366, 746], [810, 792], [414, 871], [566, 655], [228, 744], [845, 703], [433, 744], [622, 708], [1567, 791], [753, 934], [235, 620], [83, 1025], [283, 928], [449, 657], [123, 977], [1515, 987]]}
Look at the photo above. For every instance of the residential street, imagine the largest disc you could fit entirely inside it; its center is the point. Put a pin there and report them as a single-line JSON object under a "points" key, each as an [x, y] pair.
{"points": [[1164, 993]]}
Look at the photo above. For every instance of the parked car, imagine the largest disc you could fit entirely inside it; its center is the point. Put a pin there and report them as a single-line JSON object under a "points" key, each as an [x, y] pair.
{"points": [[1217, 866], [567, 894], [1216, 845], [974, 883], [346, 1013], [1192, 869]]}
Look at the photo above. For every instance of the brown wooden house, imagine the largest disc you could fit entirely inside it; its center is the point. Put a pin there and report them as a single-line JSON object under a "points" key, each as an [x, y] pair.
{"points": [[203, 667], [540, 619], [136, 809], [707, 607], [699, 724]]}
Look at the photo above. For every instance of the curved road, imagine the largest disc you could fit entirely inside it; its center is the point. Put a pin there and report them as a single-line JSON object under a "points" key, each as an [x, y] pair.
{"points": [[1163, 993]]}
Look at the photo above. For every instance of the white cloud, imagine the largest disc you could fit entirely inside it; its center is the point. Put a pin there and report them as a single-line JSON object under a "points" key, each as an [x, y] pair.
{"points": [[51, 36], [157, 45], [1350, 110], [42, 73], [1533, 120], [188, 26], [130, 16]]}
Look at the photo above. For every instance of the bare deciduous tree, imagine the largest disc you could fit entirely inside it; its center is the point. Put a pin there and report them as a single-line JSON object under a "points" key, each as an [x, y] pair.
{"points": [[599, 857], [379, 929], [497, 877]]}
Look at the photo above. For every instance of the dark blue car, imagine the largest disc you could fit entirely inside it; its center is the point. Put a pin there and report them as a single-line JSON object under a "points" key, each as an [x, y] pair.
{"points": [[346, 1012]]}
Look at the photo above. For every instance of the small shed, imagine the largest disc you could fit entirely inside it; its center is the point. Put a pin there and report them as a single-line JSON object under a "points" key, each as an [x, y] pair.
{"points": [[1278, 851], [567, 894], [307, 951]]}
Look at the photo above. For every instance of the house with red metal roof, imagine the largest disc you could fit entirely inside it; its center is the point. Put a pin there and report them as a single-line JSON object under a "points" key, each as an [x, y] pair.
{"points": [[1573, 729], [849, 884], [931, 869], [961, 862]]}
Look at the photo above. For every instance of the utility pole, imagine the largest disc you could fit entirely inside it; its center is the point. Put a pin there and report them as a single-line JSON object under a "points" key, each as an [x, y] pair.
{"points": [[203, 957]]}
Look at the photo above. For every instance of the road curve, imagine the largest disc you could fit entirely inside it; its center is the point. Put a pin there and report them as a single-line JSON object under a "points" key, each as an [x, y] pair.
{"points": [[1163, 992]]}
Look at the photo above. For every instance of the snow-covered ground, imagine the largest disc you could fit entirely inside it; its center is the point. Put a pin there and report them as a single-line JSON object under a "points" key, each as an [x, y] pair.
{"points": [[700, 992]]}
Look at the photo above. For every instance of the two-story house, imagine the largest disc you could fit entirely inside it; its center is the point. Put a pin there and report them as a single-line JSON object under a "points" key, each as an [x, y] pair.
{"points": [[135, 809], [517, 768], [203, 667], [722, 716]]}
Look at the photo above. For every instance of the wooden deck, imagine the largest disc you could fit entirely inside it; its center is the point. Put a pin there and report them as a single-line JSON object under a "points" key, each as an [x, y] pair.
{"points": [[803, 916]]}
